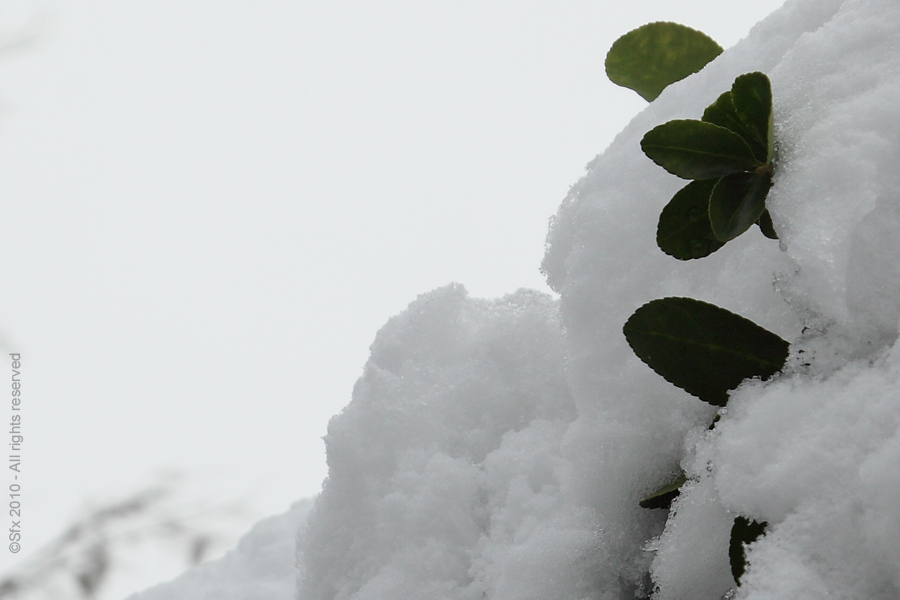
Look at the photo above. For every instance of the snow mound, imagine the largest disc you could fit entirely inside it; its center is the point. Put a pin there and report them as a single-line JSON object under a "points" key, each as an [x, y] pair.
{"points": [[498, 449], [263, 566], [445, 464]]}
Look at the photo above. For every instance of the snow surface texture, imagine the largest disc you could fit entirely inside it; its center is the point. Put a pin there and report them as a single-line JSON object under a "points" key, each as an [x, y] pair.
{"points": [[262, 567], [498, 449]]}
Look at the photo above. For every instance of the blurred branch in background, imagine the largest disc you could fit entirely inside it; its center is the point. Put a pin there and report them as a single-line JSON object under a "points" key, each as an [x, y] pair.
{"points": [[123, 544], [142, 532], [22, 24]]}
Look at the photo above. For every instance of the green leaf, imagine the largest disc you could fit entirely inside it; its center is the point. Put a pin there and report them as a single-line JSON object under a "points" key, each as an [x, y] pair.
{"points": [[701, 348], [766, 226], [722, 113], [663, 497], [684, 230], [694, 149], [652, 57], [737, 202], [752, 97], [744, 531]]}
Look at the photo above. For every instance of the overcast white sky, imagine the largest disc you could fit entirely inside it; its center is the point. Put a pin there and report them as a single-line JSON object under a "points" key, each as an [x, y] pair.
{"points": [[209, 208]]}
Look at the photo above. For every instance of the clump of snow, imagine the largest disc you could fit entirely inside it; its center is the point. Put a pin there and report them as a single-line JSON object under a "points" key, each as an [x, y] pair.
{"points": [[818, 459], [498, 449], [263, 565], [445, 466]]}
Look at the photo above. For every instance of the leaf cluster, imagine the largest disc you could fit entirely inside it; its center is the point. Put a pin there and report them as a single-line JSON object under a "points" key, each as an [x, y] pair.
{"points": [[728, 156], [707, 351]]}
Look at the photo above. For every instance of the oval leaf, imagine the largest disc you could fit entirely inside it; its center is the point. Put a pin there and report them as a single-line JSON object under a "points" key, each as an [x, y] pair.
{"points": [[744, 531], [752, 97], [737, 202], [684, 230], [650, 58], [694, 149], [722, 113], [701, 348]]}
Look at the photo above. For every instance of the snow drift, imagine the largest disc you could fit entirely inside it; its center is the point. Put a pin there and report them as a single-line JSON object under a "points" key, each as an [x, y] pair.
{"points": [[262, 565], [498, 449]]}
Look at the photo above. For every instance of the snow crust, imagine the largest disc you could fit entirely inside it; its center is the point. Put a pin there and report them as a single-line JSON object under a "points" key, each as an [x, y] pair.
{"points": [[498, 449]]}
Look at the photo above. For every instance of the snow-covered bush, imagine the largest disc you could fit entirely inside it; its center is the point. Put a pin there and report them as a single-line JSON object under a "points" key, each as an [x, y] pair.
{"points": [[499, 449]]}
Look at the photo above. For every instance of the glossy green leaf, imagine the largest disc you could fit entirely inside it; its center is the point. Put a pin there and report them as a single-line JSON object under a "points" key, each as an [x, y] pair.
{"points": [[737, 202], [744, 531], [650, 58], [684, 230], [701, 348], [722, 113], [694, 149], [766, 225], [663, 497], [752, 97]]}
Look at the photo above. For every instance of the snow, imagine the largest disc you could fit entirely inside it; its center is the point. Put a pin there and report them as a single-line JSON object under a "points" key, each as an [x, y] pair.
{"points": [[818, 457], [454, 430], [497, 449], [262, 566]]}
